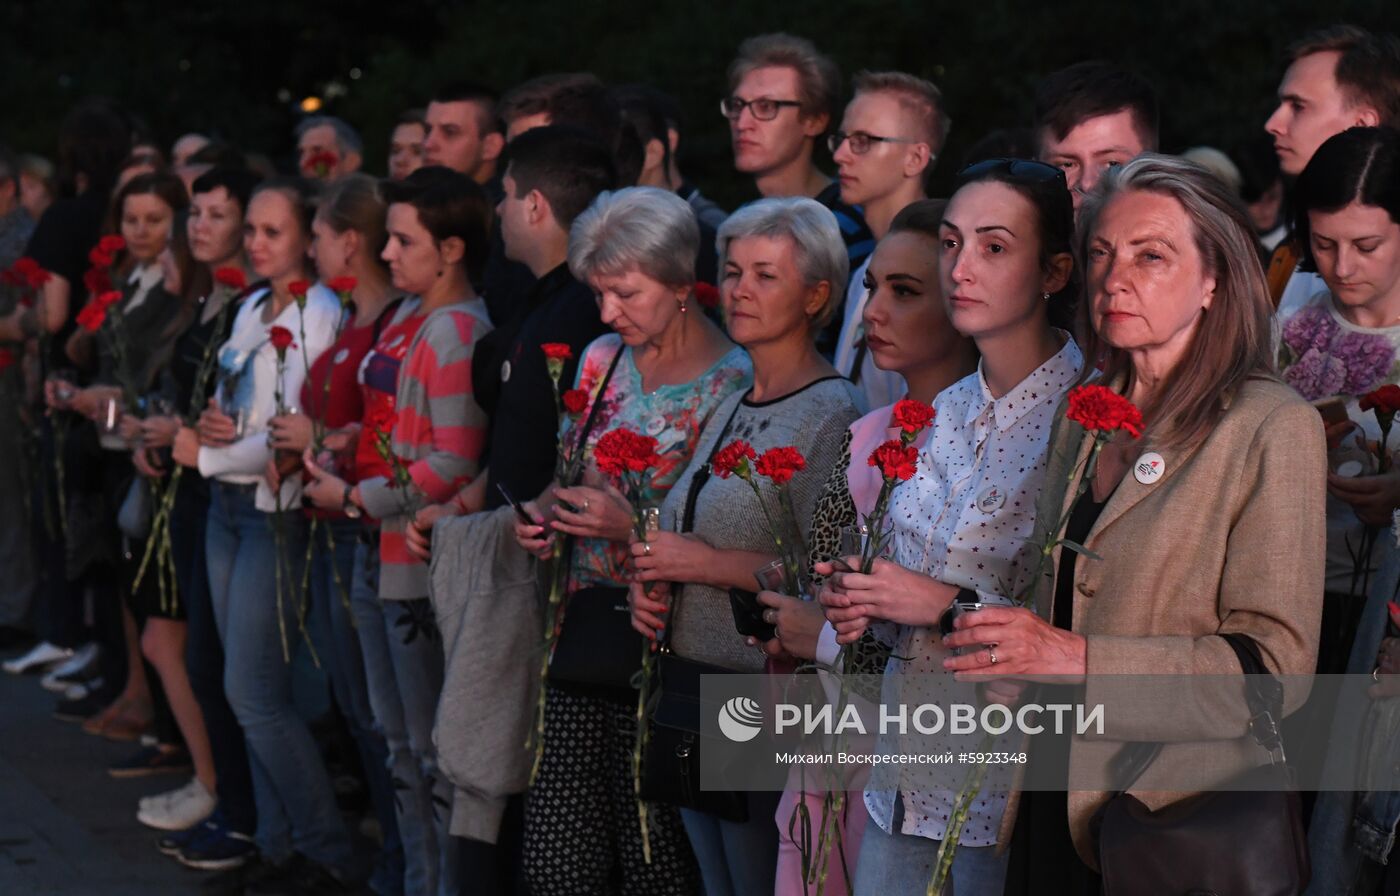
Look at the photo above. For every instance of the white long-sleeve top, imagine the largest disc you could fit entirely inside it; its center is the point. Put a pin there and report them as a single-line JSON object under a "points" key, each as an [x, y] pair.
{"points": [[248, 379]]}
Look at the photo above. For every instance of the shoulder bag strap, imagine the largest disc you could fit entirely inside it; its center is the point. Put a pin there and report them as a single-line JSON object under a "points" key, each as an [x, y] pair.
{"points": [[697, 483], [568, 553], [1263, 694]]}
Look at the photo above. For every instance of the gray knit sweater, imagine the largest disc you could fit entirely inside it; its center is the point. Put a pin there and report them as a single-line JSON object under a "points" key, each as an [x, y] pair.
{"points": [[727, 516]]}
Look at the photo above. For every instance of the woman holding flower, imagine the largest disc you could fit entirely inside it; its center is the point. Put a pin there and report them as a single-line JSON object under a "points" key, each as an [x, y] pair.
{"points": [[907, 330], [256, 536], [662, 373], [214, 228], [1177, 319], [422, 437], [960, 523], [122, 333], [1345, 343], [783, 265], [348, 235]]}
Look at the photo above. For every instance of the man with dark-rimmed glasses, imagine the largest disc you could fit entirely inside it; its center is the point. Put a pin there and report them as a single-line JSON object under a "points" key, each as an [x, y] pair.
{"points": [[783, 96], [891, 133]]}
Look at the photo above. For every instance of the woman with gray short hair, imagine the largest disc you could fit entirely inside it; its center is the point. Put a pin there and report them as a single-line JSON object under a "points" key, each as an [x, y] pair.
{"points": [[662, 372], [783, 265]]}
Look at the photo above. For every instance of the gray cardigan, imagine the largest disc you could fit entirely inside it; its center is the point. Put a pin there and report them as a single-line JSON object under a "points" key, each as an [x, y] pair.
{"points": [[485, 599]]}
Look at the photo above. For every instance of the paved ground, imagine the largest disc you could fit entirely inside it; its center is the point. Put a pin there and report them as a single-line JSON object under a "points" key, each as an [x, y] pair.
{"points": [[66, 827]]}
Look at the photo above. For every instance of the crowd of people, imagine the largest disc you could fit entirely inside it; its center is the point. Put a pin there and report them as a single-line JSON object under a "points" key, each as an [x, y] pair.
{"points": [[311, 494]]}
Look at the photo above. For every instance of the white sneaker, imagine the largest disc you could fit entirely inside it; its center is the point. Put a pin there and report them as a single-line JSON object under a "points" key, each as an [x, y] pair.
{"points": [[177, 810], [71, 670], [40, 657]]}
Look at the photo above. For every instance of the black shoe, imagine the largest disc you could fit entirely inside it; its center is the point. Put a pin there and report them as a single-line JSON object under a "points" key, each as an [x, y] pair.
{"points": [[152, 761], [82, 709], [256, 872]]}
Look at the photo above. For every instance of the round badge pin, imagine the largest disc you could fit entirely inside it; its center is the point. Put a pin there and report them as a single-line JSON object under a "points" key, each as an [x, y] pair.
{"points": [[1149, 468], [340, 356], [1350, 468], [505, 371], [991, 498], [655, 426]]}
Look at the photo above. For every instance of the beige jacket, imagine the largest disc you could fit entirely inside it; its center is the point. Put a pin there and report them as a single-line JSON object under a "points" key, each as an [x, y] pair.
{"points": [[1231, 538]]}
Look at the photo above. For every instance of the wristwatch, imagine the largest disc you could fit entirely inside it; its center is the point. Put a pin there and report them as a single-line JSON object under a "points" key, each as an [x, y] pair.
{"points": [[349, 507]]}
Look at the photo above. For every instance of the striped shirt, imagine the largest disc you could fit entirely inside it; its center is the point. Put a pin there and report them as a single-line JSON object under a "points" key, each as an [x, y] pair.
{"points": [[440, 435]]}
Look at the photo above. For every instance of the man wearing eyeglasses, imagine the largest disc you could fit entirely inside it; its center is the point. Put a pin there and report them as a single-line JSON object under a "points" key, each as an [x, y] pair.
{"points": [[891, 133], [783, 96], [1091, 117]]}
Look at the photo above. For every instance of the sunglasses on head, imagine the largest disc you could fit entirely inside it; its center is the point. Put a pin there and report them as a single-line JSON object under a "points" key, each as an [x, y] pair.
{"points": [[1028, 169]]}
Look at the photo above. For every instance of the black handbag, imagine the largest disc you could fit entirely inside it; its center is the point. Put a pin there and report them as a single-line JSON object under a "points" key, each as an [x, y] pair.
{"points": [[1238, 842], [671, 762], [597, 646]]}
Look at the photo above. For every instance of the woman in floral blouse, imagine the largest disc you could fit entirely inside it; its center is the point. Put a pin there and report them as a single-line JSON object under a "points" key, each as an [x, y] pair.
{"points": [[661, 373]]}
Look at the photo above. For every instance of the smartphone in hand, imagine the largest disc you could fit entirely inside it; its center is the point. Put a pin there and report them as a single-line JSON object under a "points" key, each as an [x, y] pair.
{"points": [[515, 505]]}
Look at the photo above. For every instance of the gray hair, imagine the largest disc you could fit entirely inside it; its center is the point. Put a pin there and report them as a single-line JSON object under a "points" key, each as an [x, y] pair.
{"points": [[821, 253], [646, 228], [1234, 340], [346, 137]]}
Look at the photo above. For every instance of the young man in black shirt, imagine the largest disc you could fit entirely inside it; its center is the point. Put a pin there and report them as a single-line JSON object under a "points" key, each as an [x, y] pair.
{"points": [[554, 173]]}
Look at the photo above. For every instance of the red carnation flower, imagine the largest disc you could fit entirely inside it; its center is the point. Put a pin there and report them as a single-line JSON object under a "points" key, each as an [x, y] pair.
{"points": [[231, 277], [575, 401], [624, 451], [100, 258], [895, 460], [112, 243], [281, 339], [298, 289], [27, 272], [92, 316], [320, 163], [342, 286], [108, 299], [1100, 409], [911, 416], [96, 280], [732, 458], [557, 351], [780, 464], [1385, 400], [707, 295], [382, 421]]}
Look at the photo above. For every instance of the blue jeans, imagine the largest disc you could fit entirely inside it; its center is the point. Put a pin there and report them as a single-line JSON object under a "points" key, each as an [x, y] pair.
{"points": [[332, 577], [736, 858], [900, 864], [204, 654], [1350, 831], [404, 672], [296, 804]]}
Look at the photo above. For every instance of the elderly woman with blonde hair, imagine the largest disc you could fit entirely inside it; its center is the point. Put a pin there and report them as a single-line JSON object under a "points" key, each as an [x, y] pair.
{"points": [[1205, 538], [662, 372], [783, 266]]}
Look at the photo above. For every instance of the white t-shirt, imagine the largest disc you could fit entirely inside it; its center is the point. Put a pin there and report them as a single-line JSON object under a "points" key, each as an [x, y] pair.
{"points": [[1322, 354], [248, 386]]}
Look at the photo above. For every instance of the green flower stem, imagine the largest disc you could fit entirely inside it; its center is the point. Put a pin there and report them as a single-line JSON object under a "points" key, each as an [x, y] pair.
{"points": [[962, 803]]}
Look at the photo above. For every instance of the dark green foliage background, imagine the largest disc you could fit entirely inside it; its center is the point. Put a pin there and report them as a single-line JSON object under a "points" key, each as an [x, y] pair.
{"points": [[220, 66]]}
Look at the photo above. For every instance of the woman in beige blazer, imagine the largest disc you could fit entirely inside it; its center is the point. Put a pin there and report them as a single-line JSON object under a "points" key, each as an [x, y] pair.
{"points": [[1212, 523]]}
